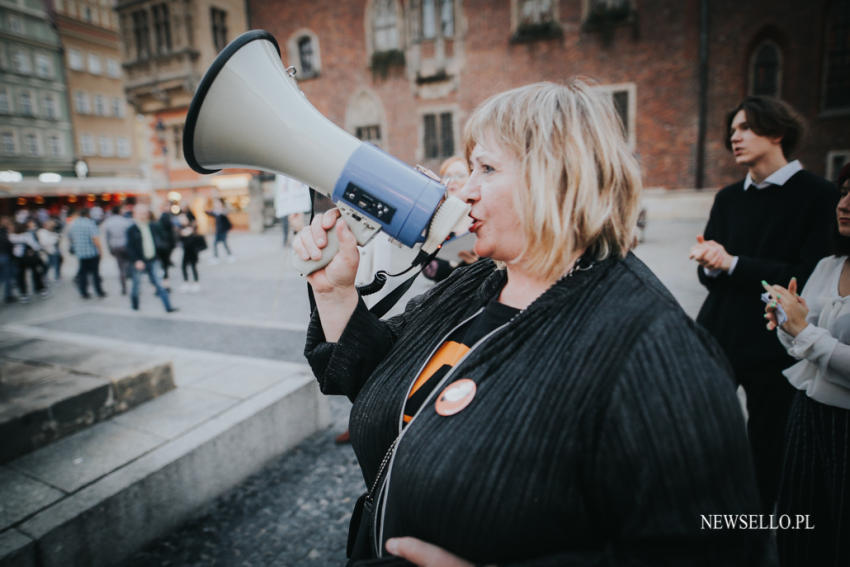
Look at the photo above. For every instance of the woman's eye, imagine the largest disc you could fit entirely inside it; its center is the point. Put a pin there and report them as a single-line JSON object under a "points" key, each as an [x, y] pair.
{"points": [[486, 168]]}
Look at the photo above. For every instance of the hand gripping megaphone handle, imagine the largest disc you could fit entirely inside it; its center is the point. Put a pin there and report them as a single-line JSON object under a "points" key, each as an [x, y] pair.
{"points": [[307, 267]]}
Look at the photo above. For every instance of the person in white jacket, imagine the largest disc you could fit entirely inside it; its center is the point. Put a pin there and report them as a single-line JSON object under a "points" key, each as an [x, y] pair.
{"points": [[816, 469]]}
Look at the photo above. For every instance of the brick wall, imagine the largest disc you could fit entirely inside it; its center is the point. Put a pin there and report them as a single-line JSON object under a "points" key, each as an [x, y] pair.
{"points": [[657, 52]]}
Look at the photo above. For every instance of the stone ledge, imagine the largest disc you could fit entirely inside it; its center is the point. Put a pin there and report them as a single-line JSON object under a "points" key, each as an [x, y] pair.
{"points": [[109, 519], [50, 389]]}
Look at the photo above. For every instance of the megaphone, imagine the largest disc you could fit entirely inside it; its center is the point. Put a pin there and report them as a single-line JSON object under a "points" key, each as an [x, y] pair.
{"points": [[248, 112]]}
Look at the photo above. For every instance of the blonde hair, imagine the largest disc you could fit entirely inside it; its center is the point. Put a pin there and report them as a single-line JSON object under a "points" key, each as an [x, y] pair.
{"points": [[444, 167], [582, 183]]}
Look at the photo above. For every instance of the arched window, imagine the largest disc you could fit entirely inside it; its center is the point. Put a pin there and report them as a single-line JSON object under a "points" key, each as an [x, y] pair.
{"points": [[766, 69], [364, 117], [305, 55], [384, 25], [837, 85]]}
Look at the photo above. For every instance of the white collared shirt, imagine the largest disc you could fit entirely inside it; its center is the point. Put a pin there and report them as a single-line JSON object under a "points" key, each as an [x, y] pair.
{"points": [[778, 177]]}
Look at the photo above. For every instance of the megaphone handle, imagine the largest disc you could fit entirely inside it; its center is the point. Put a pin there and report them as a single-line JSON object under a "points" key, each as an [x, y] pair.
{"points": [[307, 267]]}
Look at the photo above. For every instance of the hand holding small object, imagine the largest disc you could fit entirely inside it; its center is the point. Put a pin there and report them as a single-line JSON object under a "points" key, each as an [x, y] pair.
{"points": [[785, 301]]}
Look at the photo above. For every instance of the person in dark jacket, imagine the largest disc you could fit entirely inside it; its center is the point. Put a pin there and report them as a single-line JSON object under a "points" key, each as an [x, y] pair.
{"points": [[551, 404], [169, 240], [773, 225], [142, 240], [222, 227]]}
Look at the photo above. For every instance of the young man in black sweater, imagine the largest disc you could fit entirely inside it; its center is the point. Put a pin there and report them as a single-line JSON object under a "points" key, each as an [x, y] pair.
{"points": [[773, 225]]}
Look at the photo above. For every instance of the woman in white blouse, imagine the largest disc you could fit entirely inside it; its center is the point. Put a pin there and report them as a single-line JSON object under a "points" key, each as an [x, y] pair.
{"points": [[816, 472]]}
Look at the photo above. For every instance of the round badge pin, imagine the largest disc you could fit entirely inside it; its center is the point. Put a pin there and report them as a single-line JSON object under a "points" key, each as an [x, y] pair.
{"points": [[455, 397]]}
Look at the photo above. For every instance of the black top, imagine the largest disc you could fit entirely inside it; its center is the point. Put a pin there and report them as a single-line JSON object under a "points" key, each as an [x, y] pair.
{"points": [[601, 430], [456, 345], [777, 232]]}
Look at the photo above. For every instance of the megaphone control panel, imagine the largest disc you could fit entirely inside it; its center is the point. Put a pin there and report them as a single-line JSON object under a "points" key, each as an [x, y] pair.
{"points": [[368, 203]]}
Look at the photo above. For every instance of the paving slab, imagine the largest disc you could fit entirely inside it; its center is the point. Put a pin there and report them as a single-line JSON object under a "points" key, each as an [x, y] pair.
{"points": [[16, 550], [77, 460], [176, 412], [239, 382], [22, 496]]}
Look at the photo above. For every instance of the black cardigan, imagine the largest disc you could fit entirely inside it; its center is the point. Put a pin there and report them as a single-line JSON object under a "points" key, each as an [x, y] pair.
{"points": [[605, 424], [777, 232]]}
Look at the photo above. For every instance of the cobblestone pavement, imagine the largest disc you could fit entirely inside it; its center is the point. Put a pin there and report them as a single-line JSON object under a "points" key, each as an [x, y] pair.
{"points": [[293, 512]]}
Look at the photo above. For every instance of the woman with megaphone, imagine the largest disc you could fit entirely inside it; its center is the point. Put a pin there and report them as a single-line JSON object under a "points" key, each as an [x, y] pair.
{"points": [[550, 404]]}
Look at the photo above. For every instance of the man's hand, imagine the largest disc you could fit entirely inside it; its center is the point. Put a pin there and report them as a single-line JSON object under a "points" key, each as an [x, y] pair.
{"points": [[139, 265], [711, 254]]}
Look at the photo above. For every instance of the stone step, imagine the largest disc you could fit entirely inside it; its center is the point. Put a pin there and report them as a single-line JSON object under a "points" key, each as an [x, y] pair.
{"points": [[50, 389], [104, 492]]}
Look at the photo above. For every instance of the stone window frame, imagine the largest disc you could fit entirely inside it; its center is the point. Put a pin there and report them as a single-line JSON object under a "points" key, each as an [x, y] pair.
{"points": [[370, 16], [9, 98], [751, 78], [28, 134], [118, 107], [99, 106], [122, 147], [16, 146], [438, 111], [161, 18], [830, 28], [88, 147], [50, 106], [43, 65], [354, 119], [60, 145], [15, 23], [293, 51], [113, 68], [94, 64], [832, 166], [76, 61], [140, 27], [631, 90], [105, 146], [417, 19], [21, 61], [218, 27], [82, 102], [33, 103]]}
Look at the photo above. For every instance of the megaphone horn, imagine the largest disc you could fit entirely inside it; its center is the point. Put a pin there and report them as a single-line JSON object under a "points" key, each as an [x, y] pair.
{"points": [[248, 112]]}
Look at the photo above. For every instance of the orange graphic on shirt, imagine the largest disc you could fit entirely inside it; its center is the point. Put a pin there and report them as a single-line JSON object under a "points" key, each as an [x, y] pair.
{"points": [[447, 355]]}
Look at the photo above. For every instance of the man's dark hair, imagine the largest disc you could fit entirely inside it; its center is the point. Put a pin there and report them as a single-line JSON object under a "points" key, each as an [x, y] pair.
{"points": [[116, 210], [769, 117], [84, 212]]}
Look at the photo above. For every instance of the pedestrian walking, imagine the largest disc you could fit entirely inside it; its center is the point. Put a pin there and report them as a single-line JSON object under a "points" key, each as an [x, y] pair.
{"points": [[115, 229], [192, 244], [7, 267], [169, 241], [222, 227], [142, 238], [48, 238], [85, 243], [774, 224]]}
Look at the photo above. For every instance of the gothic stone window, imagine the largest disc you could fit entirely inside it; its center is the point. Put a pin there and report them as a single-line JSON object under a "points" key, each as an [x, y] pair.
{"points": [[141, 34], [385, 25], [219, 28], [837, 87], [765, 69], [162, 28], [439, 135], [306, 56], [434, 13]]}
